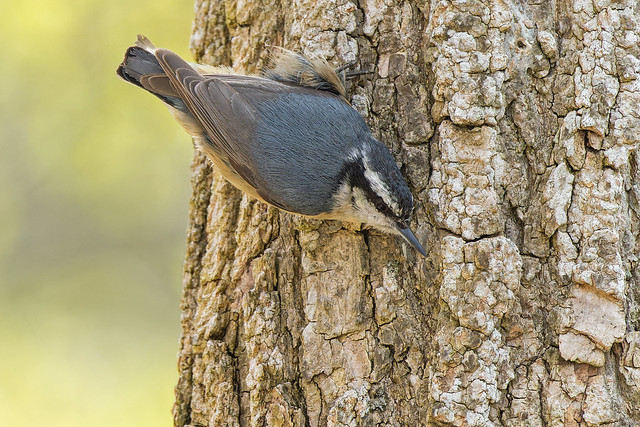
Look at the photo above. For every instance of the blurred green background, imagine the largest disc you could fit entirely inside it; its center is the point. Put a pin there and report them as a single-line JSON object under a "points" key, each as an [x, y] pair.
{"points": [[94, 189]]}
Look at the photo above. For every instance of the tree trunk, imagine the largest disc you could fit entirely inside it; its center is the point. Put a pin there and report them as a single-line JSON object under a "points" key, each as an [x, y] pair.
{"points": [[517, 125]]}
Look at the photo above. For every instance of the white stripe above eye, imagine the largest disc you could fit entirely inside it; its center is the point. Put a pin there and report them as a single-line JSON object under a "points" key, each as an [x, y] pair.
{"points": [[380, 188]]}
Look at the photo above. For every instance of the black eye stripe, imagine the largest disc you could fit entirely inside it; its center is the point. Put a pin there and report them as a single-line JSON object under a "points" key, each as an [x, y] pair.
{"points": [[354, 172], [379, 203]]}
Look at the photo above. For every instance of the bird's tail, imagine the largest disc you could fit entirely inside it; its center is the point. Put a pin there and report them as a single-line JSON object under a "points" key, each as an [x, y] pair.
{"points": [[139, 60], [141, 68]]}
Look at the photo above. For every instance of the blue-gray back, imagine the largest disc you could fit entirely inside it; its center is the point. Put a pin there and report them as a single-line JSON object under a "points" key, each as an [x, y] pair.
{"points": [[302, 140]]}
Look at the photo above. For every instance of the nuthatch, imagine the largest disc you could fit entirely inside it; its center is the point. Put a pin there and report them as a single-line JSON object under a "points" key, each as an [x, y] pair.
{"points": [[287, 137]]}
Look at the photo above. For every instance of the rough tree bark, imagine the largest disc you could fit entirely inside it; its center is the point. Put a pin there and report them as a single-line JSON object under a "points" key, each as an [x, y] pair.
{"points": [[517, 125]]}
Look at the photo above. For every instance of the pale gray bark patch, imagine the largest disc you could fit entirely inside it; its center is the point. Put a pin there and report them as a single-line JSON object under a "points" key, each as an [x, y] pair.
{"points": [[516, 126]]}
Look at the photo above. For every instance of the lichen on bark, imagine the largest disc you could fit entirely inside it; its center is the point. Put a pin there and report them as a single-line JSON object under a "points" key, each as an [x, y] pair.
{"points": [[516, 126]]}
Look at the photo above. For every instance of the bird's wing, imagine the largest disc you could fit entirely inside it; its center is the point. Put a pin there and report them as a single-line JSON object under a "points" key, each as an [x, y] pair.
{"points": [[223, 112], [227, 116]]}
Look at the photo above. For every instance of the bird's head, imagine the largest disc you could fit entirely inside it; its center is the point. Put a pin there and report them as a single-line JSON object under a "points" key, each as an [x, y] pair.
{"points": [[373, 192]]}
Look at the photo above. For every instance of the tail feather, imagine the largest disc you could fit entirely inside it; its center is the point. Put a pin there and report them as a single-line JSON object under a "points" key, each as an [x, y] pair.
{"points": [[137, 63], [141, 68], [145, 43]]}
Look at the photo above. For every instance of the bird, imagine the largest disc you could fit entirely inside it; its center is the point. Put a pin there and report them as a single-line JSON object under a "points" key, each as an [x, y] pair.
{"points": [[287, 137]]}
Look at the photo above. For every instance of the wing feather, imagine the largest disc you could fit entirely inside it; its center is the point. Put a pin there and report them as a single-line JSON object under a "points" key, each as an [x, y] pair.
{"points": [[159, 84], [226, 115]]}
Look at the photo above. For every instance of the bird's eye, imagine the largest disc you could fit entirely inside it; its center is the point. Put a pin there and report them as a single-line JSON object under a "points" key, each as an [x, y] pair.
{"points": [[384, 209]]}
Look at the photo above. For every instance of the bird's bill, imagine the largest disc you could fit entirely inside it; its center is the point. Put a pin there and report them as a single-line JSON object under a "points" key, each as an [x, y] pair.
{"points": [[411, 239]]}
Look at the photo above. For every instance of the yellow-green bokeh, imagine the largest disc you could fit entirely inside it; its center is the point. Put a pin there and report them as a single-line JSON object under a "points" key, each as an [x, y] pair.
{"points": [[94, 188]]}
